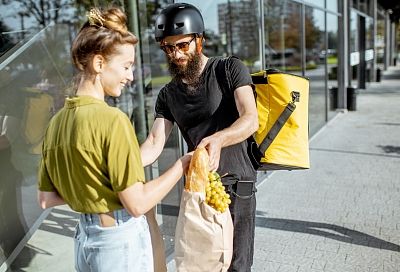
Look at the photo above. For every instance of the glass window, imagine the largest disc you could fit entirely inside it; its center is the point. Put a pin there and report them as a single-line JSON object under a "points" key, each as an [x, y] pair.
{"points": [[380, 40], [32, 89], [332, 62], [319, 3], [231, 29], [369, 48], [369, 28], [154, 75], [316, 54], [363, 6], [332, 5], [354, 48], [282, 35], [19, 20]]}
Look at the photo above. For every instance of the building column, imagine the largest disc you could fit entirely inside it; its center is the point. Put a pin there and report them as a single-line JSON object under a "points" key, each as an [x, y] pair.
{"points": [[392, 43], [343, 53], [387, 54], [374, 8]]}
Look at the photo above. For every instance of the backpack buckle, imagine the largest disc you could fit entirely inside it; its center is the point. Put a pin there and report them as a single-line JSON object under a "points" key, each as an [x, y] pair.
{"points": [[295, 96]]}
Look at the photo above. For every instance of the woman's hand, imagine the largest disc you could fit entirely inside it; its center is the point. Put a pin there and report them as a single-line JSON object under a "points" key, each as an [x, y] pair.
{"points": [[213, 144], [185, 161]]}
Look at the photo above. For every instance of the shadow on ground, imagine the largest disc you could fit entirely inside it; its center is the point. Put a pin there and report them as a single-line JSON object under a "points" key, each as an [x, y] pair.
{"points": [[326, 230], [61, 222], [390, 149]]}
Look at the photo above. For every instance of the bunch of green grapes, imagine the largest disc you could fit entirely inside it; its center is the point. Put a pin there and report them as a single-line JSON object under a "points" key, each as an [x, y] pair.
{"points": [[216, 196]]}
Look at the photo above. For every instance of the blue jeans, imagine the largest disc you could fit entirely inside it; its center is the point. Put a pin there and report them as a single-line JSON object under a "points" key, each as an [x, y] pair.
{"points": [[124, 247]]}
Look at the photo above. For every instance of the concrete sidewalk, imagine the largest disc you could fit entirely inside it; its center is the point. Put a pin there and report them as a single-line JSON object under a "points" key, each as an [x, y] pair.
{"points": [[344, 213]]}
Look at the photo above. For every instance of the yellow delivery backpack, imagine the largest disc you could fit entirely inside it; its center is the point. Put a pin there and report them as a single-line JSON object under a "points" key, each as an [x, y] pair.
{"points": [[281, 141], [282, 136]]}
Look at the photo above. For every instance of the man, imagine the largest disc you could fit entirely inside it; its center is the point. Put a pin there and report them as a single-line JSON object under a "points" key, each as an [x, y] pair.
{"points": [[209, 114]]}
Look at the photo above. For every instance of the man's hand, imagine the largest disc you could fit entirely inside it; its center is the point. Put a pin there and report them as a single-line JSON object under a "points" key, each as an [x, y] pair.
{"points": [[213, 144]]}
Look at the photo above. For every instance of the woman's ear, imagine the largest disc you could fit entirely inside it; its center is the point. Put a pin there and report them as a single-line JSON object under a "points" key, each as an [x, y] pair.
{"points": [[98, 63]]}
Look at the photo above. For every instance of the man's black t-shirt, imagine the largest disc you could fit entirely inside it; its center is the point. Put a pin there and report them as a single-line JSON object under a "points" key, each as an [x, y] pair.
{"points": [[208, 109]]}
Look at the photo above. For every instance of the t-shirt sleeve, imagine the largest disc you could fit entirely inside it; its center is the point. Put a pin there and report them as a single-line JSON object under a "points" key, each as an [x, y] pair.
{"points": [[123, 155], [161, 109], [45, 184], [239, 74]]}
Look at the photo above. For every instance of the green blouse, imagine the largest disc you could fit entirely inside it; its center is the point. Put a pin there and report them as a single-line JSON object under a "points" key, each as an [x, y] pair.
{"points": [[90, 153]]}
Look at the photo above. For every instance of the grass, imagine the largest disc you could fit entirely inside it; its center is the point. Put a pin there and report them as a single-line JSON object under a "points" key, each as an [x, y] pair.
{"points": [[160, 81]]}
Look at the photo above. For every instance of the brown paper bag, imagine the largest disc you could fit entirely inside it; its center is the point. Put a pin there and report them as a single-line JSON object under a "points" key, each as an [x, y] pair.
{"points": [[203, 237]]}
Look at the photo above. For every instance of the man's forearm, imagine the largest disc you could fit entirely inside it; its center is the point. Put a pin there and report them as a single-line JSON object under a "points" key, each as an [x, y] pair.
{"points": [[239, 131]]}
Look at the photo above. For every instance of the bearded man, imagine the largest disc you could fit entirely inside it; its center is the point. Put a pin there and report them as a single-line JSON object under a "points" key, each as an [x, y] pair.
{"points": [[216, 113]]}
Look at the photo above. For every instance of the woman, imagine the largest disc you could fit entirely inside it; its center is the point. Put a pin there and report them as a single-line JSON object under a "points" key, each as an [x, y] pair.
{"points": [[91, 158]]}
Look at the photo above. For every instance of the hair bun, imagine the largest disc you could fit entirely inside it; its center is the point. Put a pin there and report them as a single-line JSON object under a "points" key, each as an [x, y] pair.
{"points": [[112, 18]]}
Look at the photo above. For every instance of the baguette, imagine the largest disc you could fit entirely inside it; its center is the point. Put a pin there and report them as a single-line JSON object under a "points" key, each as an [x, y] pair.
{"points": [[197, 175]]}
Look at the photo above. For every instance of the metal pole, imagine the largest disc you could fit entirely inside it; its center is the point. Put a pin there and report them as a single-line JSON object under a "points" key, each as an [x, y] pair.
{"points": [[303, 39], [262, 35], [374, 32]]}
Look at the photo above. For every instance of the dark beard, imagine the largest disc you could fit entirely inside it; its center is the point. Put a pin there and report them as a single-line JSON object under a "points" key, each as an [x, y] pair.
{"points": [[190, 73]]}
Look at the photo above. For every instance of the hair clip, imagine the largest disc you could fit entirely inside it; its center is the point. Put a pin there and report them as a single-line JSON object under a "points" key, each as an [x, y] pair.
{"points": [[94, 17]]}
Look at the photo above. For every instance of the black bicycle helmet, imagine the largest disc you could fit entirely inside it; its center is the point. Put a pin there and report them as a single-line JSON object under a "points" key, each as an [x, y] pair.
{"points": [[179, 19]]}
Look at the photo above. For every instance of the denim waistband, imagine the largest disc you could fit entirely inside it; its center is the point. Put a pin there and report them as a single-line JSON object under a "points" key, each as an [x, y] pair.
{"points": [[120, 217]]}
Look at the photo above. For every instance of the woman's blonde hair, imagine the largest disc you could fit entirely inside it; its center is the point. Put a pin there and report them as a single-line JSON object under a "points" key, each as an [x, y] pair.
{"points": [[100, 35]]}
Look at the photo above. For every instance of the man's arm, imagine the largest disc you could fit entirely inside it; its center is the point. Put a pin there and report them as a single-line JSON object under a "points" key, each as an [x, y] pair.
{"points": [[154, 144], [240, 130]]}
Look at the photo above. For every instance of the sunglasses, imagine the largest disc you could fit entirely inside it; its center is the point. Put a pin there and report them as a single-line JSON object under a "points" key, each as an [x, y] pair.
{"points": [[182, 46]]}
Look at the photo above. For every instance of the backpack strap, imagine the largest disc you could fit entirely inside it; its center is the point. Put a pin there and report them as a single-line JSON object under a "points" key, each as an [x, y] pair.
{"points": [[223, 74]]}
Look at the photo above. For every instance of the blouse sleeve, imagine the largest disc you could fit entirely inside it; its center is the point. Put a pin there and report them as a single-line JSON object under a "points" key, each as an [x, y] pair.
{"points": [[45, 184], [123, 155]]}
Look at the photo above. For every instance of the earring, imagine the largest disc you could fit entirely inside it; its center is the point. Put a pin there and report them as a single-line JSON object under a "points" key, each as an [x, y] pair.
{"points": [[98, 77]]}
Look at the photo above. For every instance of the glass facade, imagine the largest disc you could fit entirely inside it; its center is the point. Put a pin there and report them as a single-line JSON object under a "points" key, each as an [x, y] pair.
{"points": [[354, 45], [315, 66], [32, 89], [282, 24], [299, 37], [332, 62], [380, 40]]}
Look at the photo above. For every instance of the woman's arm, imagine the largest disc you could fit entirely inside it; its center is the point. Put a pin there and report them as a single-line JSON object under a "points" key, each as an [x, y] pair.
{"points": [[151, 149], [49, 199], [141, 197]]}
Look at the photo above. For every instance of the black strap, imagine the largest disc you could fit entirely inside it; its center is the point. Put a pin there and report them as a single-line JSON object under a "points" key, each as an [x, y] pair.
{"points": [[279, 123], [223, 75]]}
